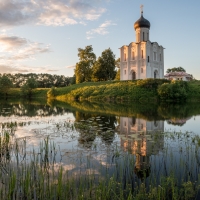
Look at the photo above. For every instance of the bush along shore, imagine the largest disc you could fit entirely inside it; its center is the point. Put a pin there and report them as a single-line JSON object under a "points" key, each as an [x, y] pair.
{"points": [[147, 90]]}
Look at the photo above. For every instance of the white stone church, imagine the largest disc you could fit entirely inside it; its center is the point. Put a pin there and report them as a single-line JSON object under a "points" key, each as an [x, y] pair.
{"points": [[143, 58]]}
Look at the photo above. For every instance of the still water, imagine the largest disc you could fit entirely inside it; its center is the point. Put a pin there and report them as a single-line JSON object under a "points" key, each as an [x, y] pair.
{"points": [[88, 135]]}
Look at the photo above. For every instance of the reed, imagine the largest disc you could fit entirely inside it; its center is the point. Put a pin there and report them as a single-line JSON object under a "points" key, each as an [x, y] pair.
{"points": [[174, 172]]}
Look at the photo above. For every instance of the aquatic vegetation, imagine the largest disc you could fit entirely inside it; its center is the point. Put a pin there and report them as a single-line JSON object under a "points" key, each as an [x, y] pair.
{"points": [[168, 169]]}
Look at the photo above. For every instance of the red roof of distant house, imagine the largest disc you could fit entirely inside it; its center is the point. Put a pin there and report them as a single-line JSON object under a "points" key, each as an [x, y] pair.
{"points": [[178, 74]]}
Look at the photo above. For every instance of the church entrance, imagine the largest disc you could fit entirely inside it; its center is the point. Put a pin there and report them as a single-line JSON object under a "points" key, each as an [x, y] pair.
{"points": [[133, 75], [155, 74]]}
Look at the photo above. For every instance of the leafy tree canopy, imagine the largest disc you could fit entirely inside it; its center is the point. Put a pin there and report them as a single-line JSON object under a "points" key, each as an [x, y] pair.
{"points": [[117, 63], [176, 69], [117, 77], [83, 68], [104, 68], [43, 80], [5, 84], [28, 87]]}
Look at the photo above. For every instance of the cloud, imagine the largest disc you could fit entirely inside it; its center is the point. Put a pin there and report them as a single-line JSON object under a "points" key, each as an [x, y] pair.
{"points": [[11, 42], [25, 69], [70, 66], [14, 48], [101, 30], [48, 12]]}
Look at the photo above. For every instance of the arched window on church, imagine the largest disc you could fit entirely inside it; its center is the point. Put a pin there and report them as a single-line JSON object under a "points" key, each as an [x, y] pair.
{"points": [[133, 121], [143, 36], [141, 70], [147, 36], [142, 54], [124, 71], [133, 55], [138, 37], [133, 75], [155, 74], [148, 58]]}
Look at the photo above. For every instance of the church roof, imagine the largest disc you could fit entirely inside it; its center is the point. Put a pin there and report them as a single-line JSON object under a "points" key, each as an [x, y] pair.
{"points": [[142, 23], [178, 74]]}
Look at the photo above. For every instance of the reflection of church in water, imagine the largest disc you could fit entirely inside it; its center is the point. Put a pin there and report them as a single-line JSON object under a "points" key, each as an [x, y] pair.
{"points": [[138, 137]]}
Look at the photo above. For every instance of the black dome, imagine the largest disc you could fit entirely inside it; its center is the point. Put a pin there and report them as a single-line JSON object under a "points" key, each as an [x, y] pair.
{"points": [[142, 22]]}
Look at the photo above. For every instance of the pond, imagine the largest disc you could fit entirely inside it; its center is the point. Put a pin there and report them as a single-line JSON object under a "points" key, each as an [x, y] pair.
{"points": [[132, 143]]}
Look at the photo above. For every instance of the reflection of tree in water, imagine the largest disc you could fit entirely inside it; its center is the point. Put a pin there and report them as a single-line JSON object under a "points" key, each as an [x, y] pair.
{"points": [[29, 109], [179, 113], [91, 126], [177, 121]]}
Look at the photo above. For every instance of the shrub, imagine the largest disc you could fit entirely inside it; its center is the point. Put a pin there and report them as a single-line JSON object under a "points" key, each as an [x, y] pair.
{"points": [[176, 90]]}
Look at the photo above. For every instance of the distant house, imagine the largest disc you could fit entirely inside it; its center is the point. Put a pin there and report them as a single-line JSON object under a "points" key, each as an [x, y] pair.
{"points": [[178, 76]]}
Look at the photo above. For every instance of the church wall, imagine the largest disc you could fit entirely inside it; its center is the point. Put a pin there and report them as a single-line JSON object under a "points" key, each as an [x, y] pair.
{"points": [[130, 125], [124, 63]]}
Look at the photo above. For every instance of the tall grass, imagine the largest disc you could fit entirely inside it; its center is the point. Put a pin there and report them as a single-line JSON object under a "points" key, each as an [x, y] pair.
{"points": [[174, 171]]}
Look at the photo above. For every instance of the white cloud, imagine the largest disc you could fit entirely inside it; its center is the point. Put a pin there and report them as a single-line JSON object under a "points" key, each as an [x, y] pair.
{"points": [[70, 66], [101, 30], [10, 42], [26, 69], [14, 48], [48, 12]]}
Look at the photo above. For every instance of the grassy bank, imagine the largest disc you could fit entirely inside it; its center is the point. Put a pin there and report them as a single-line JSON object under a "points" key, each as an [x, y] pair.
{"points": [[148, 90], [15, 93], [138, 90]]}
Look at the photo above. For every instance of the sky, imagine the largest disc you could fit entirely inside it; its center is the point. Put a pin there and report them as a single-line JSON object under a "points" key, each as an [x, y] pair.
{"points": [[43, 36]]}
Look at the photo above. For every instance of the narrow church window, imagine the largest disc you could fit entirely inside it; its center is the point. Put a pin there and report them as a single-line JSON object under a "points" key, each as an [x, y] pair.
{"points": [[155, 74], [143, 36], [133, 121], [124, 71], [133, 55], [141, 70], [148, 58], [138, 37], [124, 56], [147, 36], [142, 53]]}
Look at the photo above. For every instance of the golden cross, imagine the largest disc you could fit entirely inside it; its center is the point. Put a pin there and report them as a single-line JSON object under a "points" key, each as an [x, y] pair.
{"points": [[141, 8]]}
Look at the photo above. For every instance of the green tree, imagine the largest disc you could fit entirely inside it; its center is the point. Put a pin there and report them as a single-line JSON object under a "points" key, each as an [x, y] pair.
{"points": [[83, 68], [176, 69], [117, 63], [117, 77], [5, 84], [104, 68], [27, 88]]}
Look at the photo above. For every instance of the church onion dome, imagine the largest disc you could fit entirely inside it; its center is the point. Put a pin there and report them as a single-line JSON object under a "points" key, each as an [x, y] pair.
{"points": [[142, 23]]}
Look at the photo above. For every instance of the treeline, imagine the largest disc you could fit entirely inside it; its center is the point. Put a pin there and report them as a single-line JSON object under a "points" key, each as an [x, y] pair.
{"points": [[42, 80], [91, 69]]}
